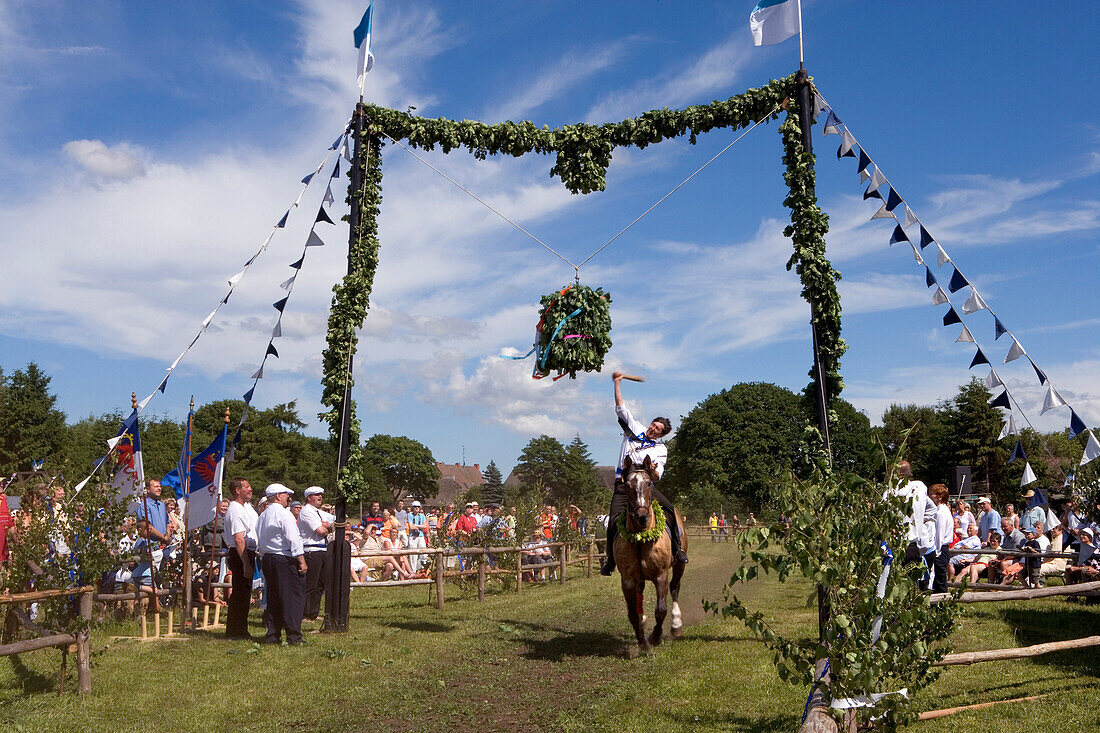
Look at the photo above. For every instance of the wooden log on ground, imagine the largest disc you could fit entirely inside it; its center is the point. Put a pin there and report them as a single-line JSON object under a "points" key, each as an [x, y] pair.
{"points": [[84, 646], [1021, 594], [41, 642], [933, 714], [1024, 652]]}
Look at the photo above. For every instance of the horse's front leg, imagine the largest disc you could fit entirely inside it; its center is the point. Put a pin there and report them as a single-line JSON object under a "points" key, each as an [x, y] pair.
{"points": [[632, 592], [661, 581]]}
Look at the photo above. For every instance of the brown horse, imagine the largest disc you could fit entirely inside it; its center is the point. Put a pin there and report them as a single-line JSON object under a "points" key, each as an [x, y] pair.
{"points": [[642, 561]]}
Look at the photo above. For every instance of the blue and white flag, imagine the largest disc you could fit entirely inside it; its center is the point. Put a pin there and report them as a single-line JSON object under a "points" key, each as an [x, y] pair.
{"points": [[207, 469], [362, 42], [124, 458], [178, 477], [774, 21]]}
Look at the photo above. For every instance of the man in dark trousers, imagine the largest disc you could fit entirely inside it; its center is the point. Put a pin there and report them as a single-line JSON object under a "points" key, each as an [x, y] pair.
{"points": [[639, 442], [314, 525], [284, 565], [239, 533]]}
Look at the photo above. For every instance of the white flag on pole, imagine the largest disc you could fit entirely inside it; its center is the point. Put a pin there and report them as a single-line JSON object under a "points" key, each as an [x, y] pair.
{"points": [[774, 21], [362, 42]]}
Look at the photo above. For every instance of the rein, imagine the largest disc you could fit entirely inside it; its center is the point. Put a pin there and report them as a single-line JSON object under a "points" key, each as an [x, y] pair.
{"points": [[646, 535]]}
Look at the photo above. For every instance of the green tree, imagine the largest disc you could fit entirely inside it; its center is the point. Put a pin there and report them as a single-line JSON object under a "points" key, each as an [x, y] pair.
{"points": [[582, 482], [493, 490], [973, 427], [406, 466], [920, 429], [854, 449], [541, 467], [31, 428]]}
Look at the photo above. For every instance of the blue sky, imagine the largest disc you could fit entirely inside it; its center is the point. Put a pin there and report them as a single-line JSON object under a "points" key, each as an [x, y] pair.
{"points": [[147, 149]]}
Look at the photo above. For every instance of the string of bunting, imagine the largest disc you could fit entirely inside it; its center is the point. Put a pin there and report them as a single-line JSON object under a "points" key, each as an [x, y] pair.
{"points": [[895, 207], [233, 282], [312, 240]]}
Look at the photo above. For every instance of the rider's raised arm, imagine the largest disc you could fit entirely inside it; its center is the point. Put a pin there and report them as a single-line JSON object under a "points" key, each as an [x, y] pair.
{"points": [[617, 377]]}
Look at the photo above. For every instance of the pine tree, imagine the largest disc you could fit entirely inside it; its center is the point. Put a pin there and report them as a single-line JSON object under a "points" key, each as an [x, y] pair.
{"points": [[31, 428], [493, 490]]}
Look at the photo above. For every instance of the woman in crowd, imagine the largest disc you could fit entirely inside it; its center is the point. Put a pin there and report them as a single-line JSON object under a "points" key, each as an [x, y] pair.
{"points": [[943, 536], [396, 564], [981, 563], [970, 542]]}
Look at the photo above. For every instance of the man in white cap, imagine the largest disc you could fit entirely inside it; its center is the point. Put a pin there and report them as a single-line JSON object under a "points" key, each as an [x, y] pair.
{"points": [[416, 525], [990, 521], [314, 525], [284, 567]]}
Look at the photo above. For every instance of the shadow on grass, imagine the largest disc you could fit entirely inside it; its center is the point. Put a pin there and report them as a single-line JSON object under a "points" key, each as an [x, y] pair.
{"points": [[553, 644], [1042, 625], [717, 721], [29, 681], [428, 626]]}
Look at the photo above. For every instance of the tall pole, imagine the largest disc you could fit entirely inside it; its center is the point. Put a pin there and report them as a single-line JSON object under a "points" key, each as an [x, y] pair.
{"points": [[185, 614], [214, 563], [338, 567]]}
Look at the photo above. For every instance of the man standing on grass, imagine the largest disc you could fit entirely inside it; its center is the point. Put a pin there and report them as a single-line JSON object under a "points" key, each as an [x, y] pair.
{"points": [[239, 533], [314, 530], [284, 567]]}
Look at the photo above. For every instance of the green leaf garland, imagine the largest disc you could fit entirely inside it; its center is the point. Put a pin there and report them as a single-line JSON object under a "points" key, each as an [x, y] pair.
{"points": [[589, 331], [646, 535]]}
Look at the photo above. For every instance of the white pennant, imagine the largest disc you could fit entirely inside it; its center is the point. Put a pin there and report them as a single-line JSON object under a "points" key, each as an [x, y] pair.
{"points": [[882, 213], [864, 175], [328, 195], [1053, 399], [965, 337], [237, 278], [941, 256], [992, 380], [259, 373], [206, 321], [1092, 450], [916, 254], [910, 217], [1009, 428], [1015, 352], [81, 485], [939, 297], [300, 193], [877, 179], [278, 330], [263, 247], [1029, 475], [974, 303], [314, 240], [346, 152], [112, 442], [288, 283], [175, 363], [847, 142], [144, 402]]}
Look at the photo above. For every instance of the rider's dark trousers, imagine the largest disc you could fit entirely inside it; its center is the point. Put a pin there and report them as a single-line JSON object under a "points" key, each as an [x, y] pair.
{"points": [[620, 503]]}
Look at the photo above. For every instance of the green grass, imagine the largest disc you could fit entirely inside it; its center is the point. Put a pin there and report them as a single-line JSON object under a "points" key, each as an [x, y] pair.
{"points": [[553, 658]]}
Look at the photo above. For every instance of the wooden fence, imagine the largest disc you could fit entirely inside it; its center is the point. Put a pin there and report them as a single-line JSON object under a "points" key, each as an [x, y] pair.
{"points": [[80, 642]]}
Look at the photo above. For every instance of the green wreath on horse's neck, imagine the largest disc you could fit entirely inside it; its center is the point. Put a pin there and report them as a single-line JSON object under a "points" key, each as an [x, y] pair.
{"points": [[646, 535]]}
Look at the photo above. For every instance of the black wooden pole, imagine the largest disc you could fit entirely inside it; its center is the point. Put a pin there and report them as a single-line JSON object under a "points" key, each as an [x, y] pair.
{"points": [[338, 562]]}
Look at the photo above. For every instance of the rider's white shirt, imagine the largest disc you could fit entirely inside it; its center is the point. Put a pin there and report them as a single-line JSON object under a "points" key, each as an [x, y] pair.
{"points": [[637, 445]]}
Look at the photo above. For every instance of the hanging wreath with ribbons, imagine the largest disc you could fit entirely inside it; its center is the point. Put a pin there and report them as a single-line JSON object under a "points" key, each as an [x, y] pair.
{"points": [[573, 332]]}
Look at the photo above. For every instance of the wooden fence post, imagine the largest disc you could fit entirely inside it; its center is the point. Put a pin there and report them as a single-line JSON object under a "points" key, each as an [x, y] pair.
{"points": [[439, 562], [519, 570], [563, 560], [481, 578], [83, 646], [591, 545]]}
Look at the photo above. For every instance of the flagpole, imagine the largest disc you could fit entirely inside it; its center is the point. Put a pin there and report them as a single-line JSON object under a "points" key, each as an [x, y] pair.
{"points": [[214, 538], [148, 539], [185, 617], [801, 59]]}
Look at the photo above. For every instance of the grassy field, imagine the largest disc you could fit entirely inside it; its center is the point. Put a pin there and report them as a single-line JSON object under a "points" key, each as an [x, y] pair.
{"points": [[554, 658]]}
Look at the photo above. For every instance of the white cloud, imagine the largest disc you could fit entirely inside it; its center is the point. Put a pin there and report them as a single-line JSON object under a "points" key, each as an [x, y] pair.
{"points": [[117, 163]]}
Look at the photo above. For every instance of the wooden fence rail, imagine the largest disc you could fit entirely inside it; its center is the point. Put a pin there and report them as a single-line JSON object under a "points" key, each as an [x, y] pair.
{"points": [[81, 639]]}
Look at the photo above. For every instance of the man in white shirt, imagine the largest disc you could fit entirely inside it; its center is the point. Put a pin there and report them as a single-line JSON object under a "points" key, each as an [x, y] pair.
{"points": [[639, 442], [283, 562], [314, 530], [922, 514], [239, 533], [417, 527]]}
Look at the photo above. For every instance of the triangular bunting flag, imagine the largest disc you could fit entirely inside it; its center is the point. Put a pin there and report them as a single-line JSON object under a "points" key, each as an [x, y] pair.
{"points": [[206, 321], [832, 124], [965, 338], [288, 283], [314, 240], [864, 175], [336, 142], [308, 178], [925, 237], [236, 278], [929, 278], [951, 317], [1009, 427], [974, 303], [871, 193], [335, 170], [1038, 372], [916, 254], [941, 256], [1052, 400], [893, 201], [259, 374], [248, 395], [346, 152], [910, 217], [864, 161], [163, 384], [226, 298], [1076, 424], [282, 222], [298, 265], [297, 200], [979, 358], [898, 235], [1001, 330], [322, 216], [993, 380], [1015, 352], [819, 105], [1092, 450], [1029, 475], [939, 297], [271, 351], [277, 332], [280, 304], [1001, 400], [1017, 452], [877, 179], [144, 402], [328, 196], [958, 282], [883, 213]]}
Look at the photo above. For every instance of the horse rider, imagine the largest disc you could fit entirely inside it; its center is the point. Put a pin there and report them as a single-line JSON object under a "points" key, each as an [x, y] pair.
{"points": [[639, 441]]}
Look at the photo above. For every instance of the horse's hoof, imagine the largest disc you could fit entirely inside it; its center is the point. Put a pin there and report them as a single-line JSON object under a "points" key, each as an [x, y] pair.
{"points": [[676, 633]]}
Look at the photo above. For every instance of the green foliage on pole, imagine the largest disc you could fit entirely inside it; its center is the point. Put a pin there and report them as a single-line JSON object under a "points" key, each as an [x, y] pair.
{"points": [[837, 525], [570, 343]]}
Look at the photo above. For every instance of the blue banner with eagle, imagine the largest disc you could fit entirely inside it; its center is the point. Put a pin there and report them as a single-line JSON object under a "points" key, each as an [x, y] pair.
{"points": [[207, 469]]}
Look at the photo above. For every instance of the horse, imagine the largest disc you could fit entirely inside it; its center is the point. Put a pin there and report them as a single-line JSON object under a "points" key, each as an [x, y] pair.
{"points": [[647, 560]]}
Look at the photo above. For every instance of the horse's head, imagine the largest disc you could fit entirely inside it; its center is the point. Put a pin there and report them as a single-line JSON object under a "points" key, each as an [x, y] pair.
{"points": [[639, 480]]}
